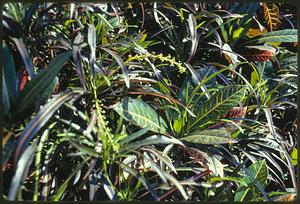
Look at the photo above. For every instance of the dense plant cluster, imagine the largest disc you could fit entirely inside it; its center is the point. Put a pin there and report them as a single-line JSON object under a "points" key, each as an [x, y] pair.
{"points": [[149, 101]]}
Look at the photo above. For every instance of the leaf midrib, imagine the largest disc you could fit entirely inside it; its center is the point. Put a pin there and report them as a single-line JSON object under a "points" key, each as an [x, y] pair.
{"points": [[217, 105]]}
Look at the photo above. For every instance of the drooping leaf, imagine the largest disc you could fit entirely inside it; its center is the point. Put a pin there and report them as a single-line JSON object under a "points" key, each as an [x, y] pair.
{"points": [[42, 117], [25, 56], [121, 64], [140, 113], [218, 104], [213, 136], [22, 171], [141, 178], [41, 82]]}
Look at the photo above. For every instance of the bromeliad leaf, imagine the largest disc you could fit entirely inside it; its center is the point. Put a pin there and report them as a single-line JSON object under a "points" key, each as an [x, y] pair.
{"points": [[218, 104], [141, 114], [42, 81], [214, 136]]}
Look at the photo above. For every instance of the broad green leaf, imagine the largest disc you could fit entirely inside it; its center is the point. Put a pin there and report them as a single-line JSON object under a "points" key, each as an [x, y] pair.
{"points": [[258, 171], [213, 136], [219, 104], [35, 87], [42, 117], [256, 174], [287, 35], [141, 114]]}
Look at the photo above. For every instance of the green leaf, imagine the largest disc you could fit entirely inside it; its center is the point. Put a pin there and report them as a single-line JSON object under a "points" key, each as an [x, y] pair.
{"points": [[25, 56], [257, 173], [9, 73], [219, 104], [63, 187], [213, 136], [42, 117], [35, 87], [141, 114], [50, 89], [121, 64], [287, 35], [155, 139], [294, 156], [238, 180], [5, 97]]}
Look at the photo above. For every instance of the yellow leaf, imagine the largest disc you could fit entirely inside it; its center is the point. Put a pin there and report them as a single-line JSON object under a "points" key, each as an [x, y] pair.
{"points": [[253, 32], [271, 15], [294, 156]]}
